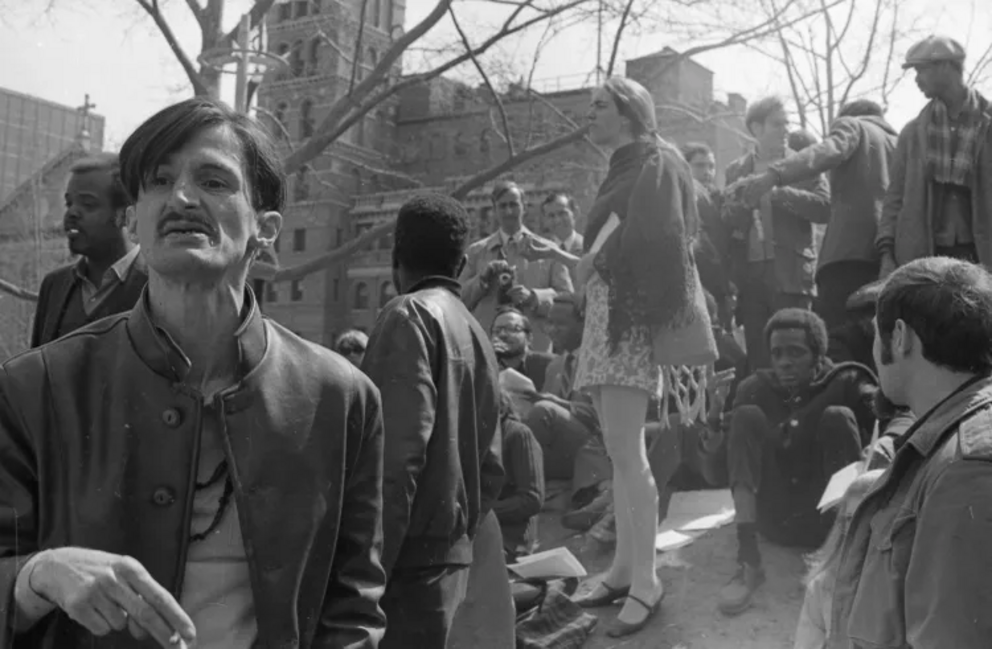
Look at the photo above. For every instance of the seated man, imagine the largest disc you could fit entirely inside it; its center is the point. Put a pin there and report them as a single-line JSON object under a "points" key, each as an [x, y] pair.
{"points": [[792, 427], [522, 496], [351, 344], [512, 336], [562, 419]]}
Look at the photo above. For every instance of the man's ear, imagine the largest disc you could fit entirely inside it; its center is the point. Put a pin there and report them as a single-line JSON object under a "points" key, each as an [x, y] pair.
{"points": [[902, 338], [269, 227], [131, 223]]}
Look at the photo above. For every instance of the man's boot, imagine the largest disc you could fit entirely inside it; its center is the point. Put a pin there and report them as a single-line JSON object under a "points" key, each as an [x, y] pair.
{"points": [[735, 598]]}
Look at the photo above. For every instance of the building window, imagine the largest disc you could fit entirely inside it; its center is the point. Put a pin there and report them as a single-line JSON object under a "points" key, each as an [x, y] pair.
{"points": [[373, 58], [306, 118], [283, 51], [338, 235], [313, 59], [301, 186], [335, 289], [302, 8], [381, 131], [356, 179], [386, 293], [258, 288], [296, 59], [299, 239], [361, 301], [460, 148], [376, 12], [285, 11], [281, 113], [360, 132], [296, 291], [314, 7], [270, 292]]}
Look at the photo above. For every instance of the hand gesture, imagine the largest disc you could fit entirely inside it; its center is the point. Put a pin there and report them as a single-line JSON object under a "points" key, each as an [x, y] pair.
{"points": [[756, 186], [539, 249], [520, 295], [106, 592]]}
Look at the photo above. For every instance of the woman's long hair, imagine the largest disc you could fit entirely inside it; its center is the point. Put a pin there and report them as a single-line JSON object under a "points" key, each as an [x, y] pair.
{"points": [[825, 559], [635, 103]]}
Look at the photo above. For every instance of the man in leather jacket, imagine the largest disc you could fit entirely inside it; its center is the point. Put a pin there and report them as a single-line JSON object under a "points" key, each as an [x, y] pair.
{"points": [[191, 471], [440, 391]]}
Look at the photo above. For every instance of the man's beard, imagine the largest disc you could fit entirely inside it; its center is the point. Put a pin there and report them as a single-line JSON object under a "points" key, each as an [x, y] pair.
{"points": [[504, 354]]}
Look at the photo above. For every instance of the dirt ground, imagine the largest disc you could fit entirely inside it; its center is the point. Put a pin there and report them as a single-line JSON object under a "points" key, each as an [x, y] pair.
{"points": [[693, 576]]}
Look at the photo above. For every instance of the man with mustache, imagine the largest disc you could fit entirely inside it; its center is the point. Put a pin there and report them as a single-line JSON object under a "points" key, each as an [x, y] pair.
{"points": [[791, 428], [939, 200], [191, 471], [110, 274]]}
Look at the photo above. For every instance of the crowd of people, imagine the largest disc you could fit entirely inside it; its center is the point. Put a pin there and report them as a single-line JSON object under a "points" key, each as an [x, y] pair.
{"points": [[178, 469]]}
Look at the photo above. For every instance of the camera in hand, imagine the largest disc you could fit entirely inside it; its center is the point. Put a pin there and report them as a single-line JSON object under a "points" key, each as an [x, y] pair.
{"points": [[504, 282]]}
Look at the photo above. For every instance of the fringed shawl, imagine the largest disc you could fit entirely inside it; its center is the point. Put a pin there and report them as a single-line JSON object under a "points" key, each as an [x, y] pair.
{"points": [[647, 262]]}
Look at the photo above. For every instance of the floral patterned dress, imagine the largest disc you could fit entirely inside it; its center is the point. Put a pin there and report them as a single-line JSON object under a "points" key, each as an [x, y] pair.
{"points": [[631, 366]]}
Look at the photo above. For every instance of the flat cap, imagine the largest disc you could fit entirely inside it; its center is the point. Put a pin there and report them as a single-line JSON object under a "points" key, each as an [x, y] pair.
{"points": [[866, 297], [934, 49]]}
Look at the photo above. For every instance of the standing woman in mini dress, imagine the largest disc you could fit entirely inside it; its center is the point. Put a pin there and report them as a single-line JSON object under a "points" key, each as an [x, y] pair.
{"points": [[640, 282]]}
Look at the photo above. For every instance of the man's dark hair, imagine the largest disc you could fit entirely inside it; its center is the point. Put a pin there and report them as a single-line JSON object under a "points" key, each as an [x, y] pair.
{"points": [[504, 186], [507, 308], [109, 163], [691, 149], [948, 305], [553, 196], [861, 108], [761, 110], [431, 235], [812, 324], [168, 130], [352, 341]]}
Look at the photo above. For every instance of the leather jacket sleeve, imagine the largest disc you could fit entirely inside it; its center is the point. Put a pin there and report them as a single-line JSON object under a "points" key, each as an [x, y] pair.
{"points": [[18, 494], [351, 616], [399, 363]]}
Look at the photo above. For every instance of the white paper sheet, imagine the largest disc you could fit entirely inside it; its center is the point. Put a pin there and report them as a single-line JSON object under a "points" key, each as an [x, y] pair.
{"points": [[690, 514], [839, 482], [550, 564]]}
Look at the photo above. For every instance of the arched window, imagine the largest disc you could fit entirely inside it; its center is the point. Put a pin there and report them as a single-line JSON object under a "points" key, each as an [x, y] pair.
{"points": [[283, 51], [314, 58], [386, 293], [306, 118], [296, 59], [361, 301], [376, 12], [388, 23], [301, 186]]}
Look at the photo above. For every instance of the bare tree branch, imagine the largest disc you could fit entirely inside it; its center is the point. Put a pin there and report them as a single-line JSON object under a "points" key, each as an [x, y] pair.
{"points": [[616, 38], [507, 135], [348, 111], [357, 63], [197, 11], [269, 273], [152, 9], [256, 14], [17, 291]]}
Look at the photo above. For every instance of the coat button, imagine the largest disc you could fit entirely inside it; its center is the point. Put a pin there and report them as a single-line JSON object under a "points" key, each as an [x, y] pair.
{"points": [[163, 496], [171, 417]]}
